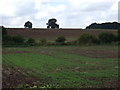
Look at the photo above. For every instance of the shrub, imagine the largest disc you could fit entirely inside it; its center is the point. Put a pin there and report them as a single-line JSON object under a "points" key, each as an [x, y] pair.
{"points": [[60, 40], [106, 37], [30, 41], [18, 39], [88, 39], [43, 41]]}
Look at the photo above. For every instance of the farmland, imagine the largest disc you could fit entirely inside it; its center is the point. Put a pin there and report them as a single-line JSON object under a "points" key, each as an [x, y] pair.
{"points": [[61, 66], [52, 34]]}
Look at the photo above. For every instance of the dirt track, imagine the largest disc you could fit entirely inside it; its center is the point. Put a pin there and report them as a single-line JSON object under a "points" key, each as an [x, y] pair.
{"points": [[51, 34]]}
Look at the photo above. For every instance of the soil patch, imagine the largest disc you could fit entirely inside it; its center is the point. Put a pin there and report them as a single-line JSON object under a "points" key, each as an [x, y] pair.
{"points": [[95, 53], [14, 77]]}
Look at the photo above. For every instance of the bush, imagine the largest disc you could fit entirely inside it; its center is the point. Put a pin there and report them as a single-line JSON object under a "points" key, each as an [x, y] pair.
{"points": [[60, 40], [88, 39], [30, 41], [43, 41], [106, 37], [18, 39]]}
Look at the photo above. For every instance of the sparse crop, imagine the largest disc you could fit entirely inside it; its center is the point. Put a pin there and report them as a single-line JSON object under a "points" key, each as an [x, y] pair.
{"points": [[62, 67]]}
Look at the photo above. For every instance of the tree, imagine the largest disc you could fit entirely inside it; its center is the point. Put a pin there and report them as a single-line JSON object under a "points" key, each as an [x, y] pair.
{"points": [[52, 23], [28, 24], [107, 25]]}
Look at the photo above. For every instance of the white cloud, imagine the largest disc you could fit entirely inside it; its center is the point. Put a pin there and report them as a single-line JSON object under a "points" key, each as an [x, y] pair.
{"points": [[69, 13]]}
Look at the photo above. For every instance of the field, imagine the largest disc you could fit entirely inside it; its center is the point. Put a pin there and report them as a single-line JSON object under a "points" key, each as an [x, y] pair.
{"points": [[61, 66], [52, 34]]}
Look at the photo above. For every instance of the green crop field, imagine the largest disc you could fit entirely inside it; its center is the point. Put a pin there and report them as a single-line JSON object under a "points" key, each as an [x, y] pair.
{"points": [[61, 66]]}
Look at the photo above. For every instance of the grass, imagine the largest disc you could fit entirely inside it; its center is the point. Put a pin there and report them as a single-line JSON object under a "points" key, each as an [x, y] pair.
{"points": [[58, 68]]}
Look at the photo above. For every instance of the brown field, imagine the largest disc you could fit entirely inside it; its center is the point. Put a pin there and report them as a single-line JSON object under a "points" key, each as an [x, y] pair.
{"points": [[52, 34]]}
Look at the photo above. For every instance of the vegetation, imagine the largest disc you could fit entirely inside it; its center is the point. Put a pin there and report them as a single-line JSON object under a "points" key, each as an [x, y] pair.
{"points": [[107, 37], [84, 39], [60, 40], [88, 39], [28, 24], [52, 23], [81, 66], [64, 67], [30, 41], [18, 39], [113, 25], [43, 41]]}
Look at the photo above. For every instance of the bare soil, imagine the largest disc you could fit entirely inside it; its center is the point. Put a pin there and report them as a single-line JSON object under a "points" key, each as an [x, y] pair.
{"points": [[95, 53], [17, 78]]}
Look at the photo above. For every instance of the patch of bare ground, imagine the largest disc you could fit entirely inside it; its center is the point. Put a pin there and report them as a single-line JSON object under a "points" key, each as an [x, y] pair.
{"points": [[106, 83], [13, 77], [14, 51], [95, 53]]}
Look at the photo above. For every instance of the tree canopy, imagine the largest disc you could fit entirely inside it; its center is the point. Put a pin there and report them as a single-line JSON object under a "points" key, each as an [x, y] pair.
{"points": [[108, 25], [52, 23], [28, 24]]}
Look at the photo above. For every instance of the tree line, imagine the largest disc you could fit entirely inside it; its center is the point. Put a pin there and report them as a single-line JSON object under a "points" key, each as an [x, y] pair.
{"points": [[107, 25]]}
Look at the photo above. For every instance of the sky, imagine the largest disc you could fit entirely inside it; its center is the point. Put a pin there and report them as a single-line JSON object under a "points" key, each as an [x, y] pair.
{"points": [[69, 13]]}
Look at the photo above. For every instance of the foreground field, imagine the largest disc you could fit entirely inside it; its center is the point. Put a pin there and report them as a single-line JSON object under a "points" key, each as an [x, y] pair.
{"points": [[61, 66]]}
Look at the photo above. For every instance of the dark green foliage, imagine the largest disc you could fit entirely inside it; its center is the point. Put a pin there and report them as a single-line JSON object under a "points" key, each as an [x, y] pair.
{"points": [[30, 41], [52, 23], [106, 37], [113, 25], [60, 40], [4, 31], [18, 39], [88, 39], [43, 41], [28, 24]]}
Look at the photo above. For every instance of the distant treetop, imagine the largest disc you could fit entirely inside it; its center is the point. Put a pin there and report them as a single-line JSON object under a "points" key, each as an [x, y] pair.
{"points": [[28, 24], [107, 25], [52, 23]]}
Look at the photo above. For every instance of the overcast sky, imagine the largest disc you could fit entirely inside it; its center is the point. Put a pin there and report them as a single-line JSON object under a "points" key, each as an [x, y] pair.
{"points": [[69, 13]]}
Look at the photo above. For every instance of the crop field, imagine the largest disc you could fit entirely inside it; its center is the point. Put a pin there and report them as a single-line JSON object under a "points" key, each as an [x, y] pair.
{"points": [[61, 67], [52, 34]]}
